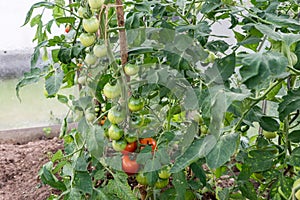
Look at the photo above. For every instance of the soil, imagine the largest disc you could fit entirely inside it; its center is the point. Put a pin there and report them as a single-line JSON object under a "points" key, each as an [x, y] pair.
{"points": [[19, 166]]}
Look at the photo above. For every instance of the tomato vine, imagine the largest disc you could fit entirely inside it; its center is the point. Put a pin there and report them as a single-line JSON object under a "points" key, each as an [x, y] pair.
{"points": [[167, 105]]}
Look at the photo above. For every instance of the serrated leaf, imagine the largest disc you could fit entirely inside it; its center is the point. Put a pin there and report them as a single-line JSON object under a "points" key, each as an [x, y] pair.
{"points": [[222, 193], [79, 163], [269, 31], [260, 68], [120, 189], [282, 21], [294, 158], [37, 5], [48, 178], [35, 20], [222, 151], [98, 194], [217, 46], [290, 103], [57, 156], [180, 184], [95, 141], [83, 182], [221, 70], [53, 83]]}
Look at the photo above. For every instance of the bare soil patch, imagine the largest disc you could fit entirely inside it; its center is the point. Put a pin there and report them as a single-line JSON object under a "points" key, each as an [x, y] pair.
{"points": [[19, 166]]}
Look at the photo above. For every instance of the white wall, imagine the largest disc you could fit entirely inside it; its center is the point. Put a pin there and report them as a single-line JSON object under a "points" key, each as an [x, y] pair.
{"points": [[12, 17]]}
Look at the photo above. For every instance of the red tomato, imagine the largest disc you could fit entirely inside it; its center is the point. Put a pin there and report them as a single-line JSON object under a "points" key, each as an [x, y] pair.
{"points": [[129, 166], [148, 141], [131, 147]]}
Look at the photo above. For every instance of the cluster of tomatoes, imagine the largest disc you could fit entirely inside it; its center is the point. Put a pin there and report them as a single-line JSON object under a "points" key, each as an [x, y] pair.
{"points": [[124, 120]]}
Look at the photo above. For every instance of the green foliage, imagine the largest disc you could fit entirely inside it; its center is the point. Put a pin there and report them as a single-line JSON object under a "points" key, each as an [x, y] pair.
{"points": [[207, 100]]}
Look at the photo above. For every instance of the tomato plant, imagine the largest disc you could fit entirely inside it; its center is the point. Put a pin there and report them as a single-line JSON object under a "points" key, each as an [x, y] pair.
{"points": [[209, 88]]}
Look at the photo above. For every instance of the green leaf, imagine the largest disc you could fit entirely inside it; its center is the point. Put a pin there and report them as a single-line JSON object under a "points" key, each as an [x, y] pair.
{"points": [[217, 46], [66, 20], [180, 184], [152, 177], [282, 21], [98, 194], [290, 103], [48, 178], [199, 172], [57, 156], [188, 157], [269, 124], [222, 151], [62, 98], [35, 20], [65, 55], [37, 5], [79, 163], [33, 76], [95, 141], [259, 69], [189, 136], [221, 70], [120, 188], [53, 83], [268, 31], [294, 136], [247, 190], [294, 158], [83, 182], [222, 193]]}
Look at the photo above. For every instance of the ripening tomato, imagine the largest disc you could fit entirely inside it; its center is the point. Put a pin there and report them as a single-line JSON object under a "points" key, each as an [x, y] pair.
{"points": [[87, 39], [112, 91], [91, 25], [68, 28], [115, 133], [130, 147], [131, 69], [100, 50], [135, 104], [148, 141], [119, 145], [95, 4], [129, 166], [116, 115]]}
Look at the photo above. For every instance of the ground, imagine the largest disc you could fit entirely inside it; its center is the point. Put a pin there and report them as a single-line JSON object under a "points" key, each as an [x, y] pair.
{"points": [[19, 166]]}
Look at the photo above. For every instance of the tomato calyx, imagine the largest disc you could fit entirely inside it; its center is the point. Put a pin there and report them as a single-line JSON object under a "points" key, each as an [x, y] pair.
{"points": [[136, 121]]}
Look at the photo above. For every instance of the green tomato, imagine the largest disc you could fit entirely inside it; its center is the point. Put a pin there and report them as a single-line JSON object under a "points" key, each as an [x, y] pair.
{"points": [[114, 132], [95, 4], [112, 91], [204, 129], [89, 116], [161, 183], [141, 179], [296, 183], [136, 121], [131, 69], [91, 25], [119, 145], [82, 12], [81, 80], [164, 173], [131, 137], [116, 115], [297, 194], [100, 50], [90, 59], [269, 135], [87, 39], [135, 104]]}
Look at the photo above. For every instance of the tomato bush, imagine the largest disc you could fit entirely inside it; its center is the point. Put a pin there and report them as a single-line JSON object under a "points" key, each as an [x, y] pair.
{"points": [[203, 100]]}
